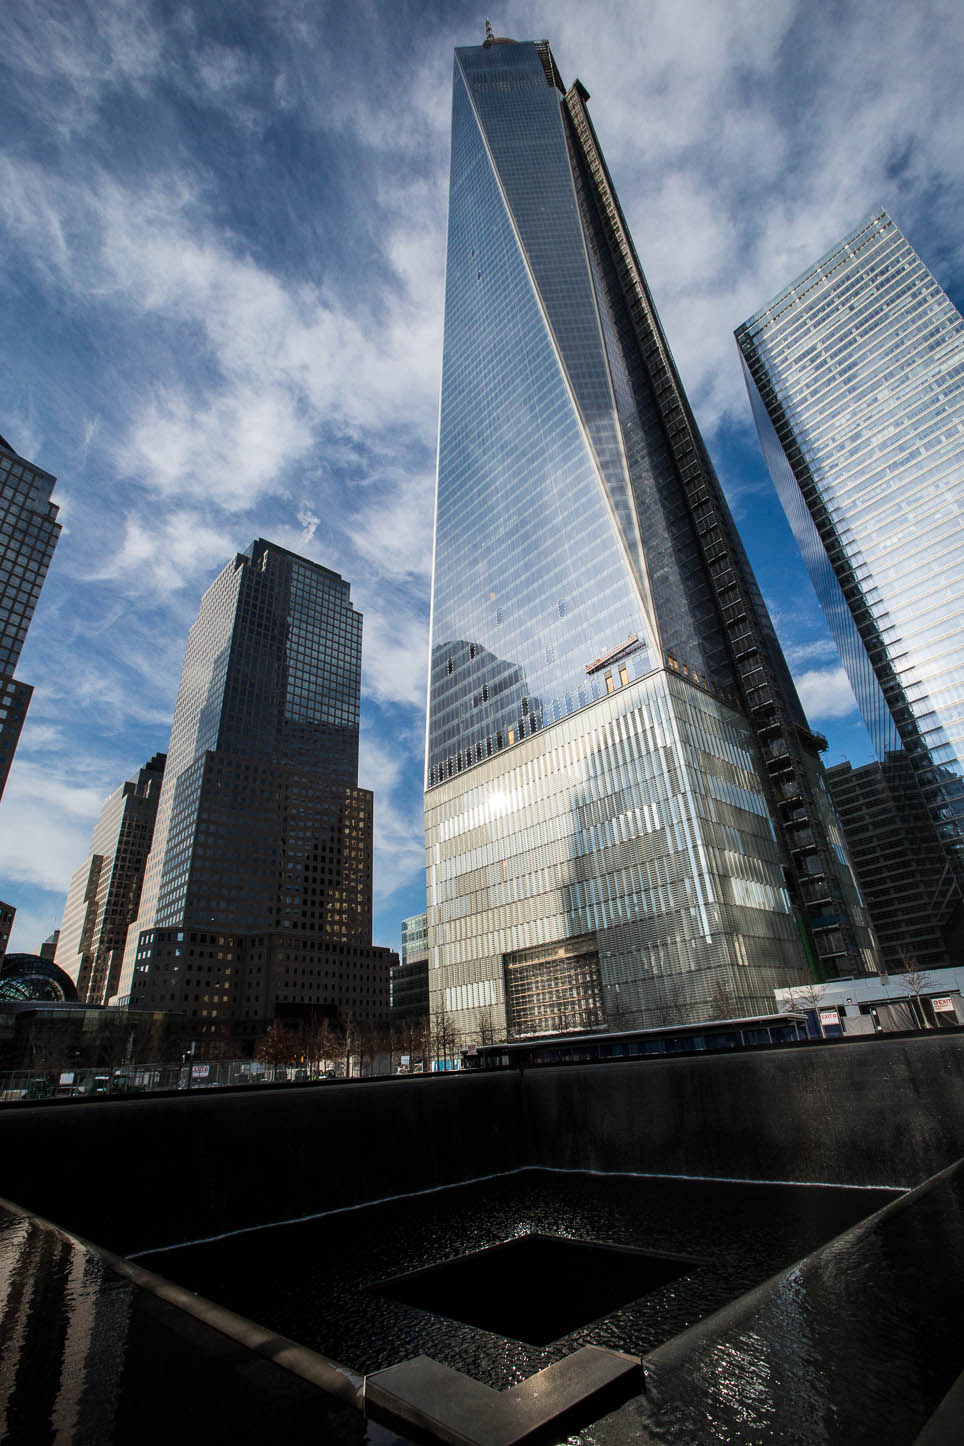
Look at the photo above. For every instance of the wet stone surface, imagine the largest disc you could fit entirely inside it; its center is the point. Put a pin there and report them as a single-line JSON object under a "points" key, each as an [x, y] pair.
{"points": [[321, 1282], [856, 1346], [87, 1359]]}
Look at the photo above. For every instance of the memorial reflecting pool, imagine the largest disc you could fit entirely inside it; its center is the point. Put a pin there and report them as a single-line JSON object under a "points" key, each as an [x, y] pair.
{"points": [[333, 1282]]}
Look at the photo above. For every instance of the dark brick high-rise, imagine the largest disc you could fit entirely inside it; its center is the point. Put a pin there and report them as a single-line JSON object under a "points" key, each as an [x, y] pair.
{"points": [[257, 894]]}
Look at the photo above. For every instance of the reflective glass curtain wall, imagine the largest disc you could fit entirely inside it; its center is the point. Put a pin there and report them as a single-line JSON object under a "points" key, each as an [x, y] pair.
{"points": [[856, 378], [582, 540]]}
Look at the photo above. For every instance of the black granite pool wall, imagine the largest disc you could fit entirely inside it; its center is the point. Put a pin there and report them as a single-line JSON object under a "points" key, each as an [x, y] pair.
{"points": [[133, 1174], [884, 1112], [142, 1173]]}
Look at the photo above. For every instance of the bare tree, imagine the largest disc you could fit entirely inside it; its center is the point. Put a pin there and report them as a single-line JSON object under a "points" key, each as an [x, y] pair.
{"points": [[411, 1039], [485, 1027], [618, 1016], [338, 1041], [671, 1009], [444, 1036], [723, 1002], [277, 1047], [566, 1020], [806, 997], [368, 1041], [917, 983], [321, 1042], [349, 1042]]}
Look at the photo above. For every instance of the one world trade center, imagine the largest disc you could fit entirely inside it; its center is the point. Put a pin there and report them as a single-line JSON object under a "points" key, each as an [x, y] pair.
{"points": [[625, 818]]}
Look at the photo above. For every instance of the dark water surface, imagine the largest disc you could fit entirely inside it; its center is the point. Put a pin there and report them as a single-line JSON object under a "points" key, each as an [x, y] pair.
{"points": [[323, 1282]]}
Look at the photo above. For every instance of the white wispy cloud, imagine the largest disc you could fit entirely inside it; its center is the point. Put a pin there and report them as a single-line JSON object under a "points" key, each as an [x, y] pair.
{"points": [[393, 529], [40, 737], [47, 822], [825, 693], [167, 552], [282, 360], [222, 285], [399, 846], [812, 651], [759, 136], [69, 52], [395, 652]]}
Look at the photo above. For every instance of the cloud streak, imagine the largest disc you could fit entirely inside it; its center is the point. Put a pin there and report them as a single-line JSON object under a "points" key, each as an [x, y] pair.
{"points": [[825, 694], [222, 286]]}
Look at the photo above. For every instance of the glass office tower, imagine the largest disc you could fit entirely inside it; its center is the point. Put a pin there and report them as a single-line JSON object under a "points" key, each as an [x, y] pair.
{"points": [[856, 379], [29, 531], [604, 839], [257, 896], [409, 978]]}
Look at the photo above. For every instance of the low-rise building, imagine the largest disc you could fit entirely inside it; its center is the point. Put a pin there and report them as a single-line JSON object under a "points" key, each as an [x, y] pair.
{"points": [[882, 1004]]}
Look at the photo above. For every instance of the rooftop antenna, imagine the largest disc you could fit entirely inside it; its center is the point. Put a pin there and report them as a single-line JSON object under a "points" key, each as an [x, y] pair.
{"points": [[489, 36]]}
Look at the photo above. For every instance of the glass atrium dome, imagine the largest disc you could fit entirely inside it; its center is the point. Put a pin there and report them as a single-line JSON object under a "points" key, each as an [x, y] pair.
{"points": [[27, 976]]}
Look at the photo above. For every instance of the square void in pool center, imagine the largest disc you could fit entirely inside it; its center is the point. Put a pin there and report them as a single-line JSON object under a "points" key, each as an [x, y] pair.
{"points": [[536, 1288]]}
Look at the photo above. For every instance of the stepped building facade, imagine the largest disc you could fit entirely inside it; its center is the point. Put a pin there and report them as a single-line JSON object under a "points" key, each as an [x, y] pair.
{"points": [[257, 899]]}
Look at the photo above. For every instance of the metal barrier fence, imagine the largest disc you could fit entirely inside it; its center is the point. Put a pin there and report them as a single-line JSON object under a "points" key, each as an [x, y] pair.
{"points": [[147, 1078]]}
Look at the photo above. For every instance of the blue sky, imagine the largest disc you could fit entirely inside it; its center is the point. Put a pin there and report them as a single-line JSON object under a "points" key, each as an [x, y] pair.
{"points": [[221, 287]]}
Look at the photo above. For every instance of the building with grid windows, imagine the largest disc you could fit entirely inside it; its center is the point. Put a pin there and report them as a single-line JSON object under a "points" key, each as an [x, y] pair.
{"points": [[28, 535], [856, 379], [8, 912], [625, 814], [414, 938], [104, 894], [257, 894], [898, 862], [408, 985]]}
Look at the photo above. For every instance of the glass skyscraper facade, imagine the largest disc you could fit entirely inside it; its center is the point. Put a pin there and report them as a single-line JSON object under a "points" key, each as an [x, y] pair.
{"points": [[409, 978], [898, 862], [605, 839], [856, 379], [414, 938], [257, 894], [28, 535]]}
